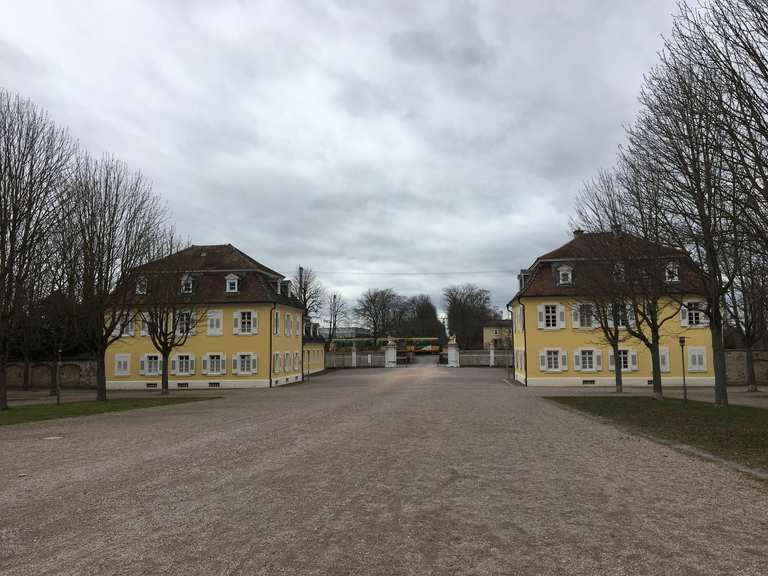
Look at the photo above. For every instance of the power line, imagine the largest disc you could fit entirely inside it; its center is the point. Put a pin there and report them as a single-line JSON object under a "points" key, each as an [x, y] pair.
{"points": [[423, 273]]}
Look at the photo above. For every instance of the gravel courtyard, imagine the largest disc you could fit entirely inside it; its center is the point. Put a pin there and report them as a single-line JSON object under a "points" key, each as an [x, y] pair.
{"points": [[420, 470]]}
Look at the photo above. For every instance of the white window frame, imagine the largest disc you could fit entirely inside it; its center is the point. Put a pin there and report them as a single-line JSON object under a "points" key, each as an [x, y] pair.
{"points": [[567, 272], [277, 323], [189, 322], [232, 284], [288, 362], [695, 309], [288, 324], [246, 321], [698, 353], [550, 316], [585, 353], [217, 315], [159, 361], [120, 359], [187, 285], [672, 273], [222, 360], [276, 363]]}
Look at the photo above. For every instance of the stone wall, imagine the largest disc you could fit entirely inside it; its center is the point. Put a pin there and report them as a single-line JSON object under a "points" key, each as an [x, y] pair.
{"points": [[736, 366], [73, 374]]}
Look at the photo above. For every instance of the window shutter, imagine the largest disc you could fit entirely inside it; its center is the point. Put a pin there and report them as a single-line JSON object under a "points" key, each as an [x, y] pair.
{"points": [[223, 363], [143, 330], [143, 365], [235, 362], [563, 360], [159, 364], [543, 360], [598, 360], [560, 316], [702, 360], [575, 320], [664, 358], [683, 316], [131, 327], [191, 363], [236, 323], [540, 308], [173, 365], [704, 318], [630, 316], [577, 359], [192, 323], [205, 364], [609, 315], [255, 320], [633, 360], [611, 361]]}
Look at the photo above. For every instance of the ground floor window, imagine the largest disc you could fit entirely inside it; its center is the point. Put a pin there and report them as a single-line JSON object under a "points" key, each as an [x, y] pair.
{"points": [[153, 364], [122, 364], [246, 363], [276, 367], [553, 359], [587, 359], [623, 359], [215, 365], [183, 364]]}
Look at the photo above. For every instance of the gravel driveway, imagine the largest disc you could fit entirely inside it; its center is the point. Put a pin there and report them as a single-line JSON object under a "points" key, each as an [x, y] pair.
{"points": [[420, 470]]}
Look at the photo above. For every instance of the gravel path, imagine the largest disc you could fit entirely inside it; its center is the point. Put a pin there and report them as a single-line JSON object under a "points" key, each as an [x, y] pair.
{"points": [[420, 470]]}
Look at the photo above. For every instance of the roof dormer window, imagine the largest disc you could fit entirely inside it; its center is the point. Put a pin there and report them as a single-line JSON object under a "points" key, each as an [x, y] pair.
{"points": [[672, 272], [141, 286], [564, 275], [186, 284], [233, 284]]}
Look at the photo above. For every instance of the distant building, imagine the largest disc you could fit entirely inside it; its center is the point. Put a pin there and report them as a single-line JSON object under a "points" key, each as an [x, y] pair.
{"points": [[498, 333], [347, 332]]}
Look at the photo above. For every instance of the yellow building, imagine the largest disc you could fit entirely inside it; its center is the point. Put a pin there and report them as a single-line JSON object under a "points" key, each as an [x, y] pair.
{"points": [[497, 333], [314, 349], [558, 342], [247, 330]]}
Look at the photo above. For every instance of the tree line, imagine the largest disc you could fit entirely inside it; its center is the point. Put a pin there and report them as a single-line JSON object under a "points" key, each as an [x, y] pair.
{"points": [[692, 177]]}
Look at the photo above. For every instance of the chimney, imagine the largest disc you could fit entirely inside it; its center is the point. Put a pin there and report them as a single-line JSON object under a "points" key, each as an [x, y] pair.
{"points": [[278, 286], [578, 232]]}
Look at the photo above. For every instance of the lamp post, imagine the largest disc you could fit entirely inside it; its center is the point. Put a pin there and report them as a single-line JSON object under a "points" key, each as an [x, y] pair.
{"points": [[682, 359]]}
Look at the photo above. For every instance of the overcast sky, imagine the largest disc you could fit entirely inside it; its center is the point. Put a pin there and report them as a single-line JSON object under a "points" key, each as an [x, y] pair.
{"points": [[350, 136]]}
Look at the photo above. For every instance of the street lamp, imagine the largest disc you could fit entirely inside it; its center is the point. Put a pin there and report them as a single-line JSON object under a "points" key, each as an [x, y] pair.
{"points": [[682, 359]]}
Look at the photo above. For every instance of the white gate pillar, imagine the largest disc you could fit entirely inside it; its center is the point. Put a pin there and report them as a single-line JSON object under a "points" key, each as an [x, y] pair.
{"points": [[492, 350], [453, 353], [390, 354], [354, 356]]}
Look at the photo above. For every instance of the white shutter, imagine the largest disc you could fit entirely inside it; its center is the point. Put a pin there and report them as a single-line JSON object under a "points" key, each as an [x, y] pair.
{"points": [[236, 323], [254, 363], [633, 360], [575, 320], [598, 360], [683, 316], [223, 363], [255, 321], [143, 330], [235, 364], [704, 317], [703, 360], [191, 363], [611, 361], [543, 360], [192, 323], [560, 316], [577, 359], [631, 316], [205, 364], [563, 360], [143, 365], [540, 309], [173, 364], [664, 358]]}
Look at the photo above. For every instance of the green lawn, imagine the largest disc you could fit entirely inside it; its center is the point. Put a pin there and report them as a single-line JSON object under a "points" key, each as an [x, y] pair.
{"points": [[735, 433], [34, 412]]}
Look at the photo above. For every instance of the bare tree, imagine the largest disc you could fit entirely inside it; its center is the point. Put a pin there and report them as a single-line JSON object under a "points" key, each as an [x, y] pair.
{"points": [[337, 313], [169, 308], [117, 218], [375, 310], [469, 308], [310, 291], [35, 158]]}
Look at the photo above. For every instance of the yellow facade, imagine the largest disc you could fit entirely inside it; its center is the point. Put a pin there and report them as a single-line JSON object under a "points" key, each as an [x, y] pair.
{"points": [[500, 336], [314, 357], [536, 344], [275, 352]]}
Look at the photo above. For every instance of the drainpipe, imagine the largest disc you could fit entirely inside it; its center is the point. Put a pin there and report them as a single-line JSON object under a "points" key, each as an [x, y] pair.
{"points": [[525, 344], [271, 332], [512, 340]]}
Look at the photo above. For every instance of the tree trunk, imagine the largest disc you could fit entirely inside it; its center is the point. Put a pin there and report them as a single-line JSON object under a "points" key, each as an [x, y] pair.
{"points": [[3, 383], [164, 375], [718, 360], [658, 393], [101, 376], [750, 369], [618, 371]]}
